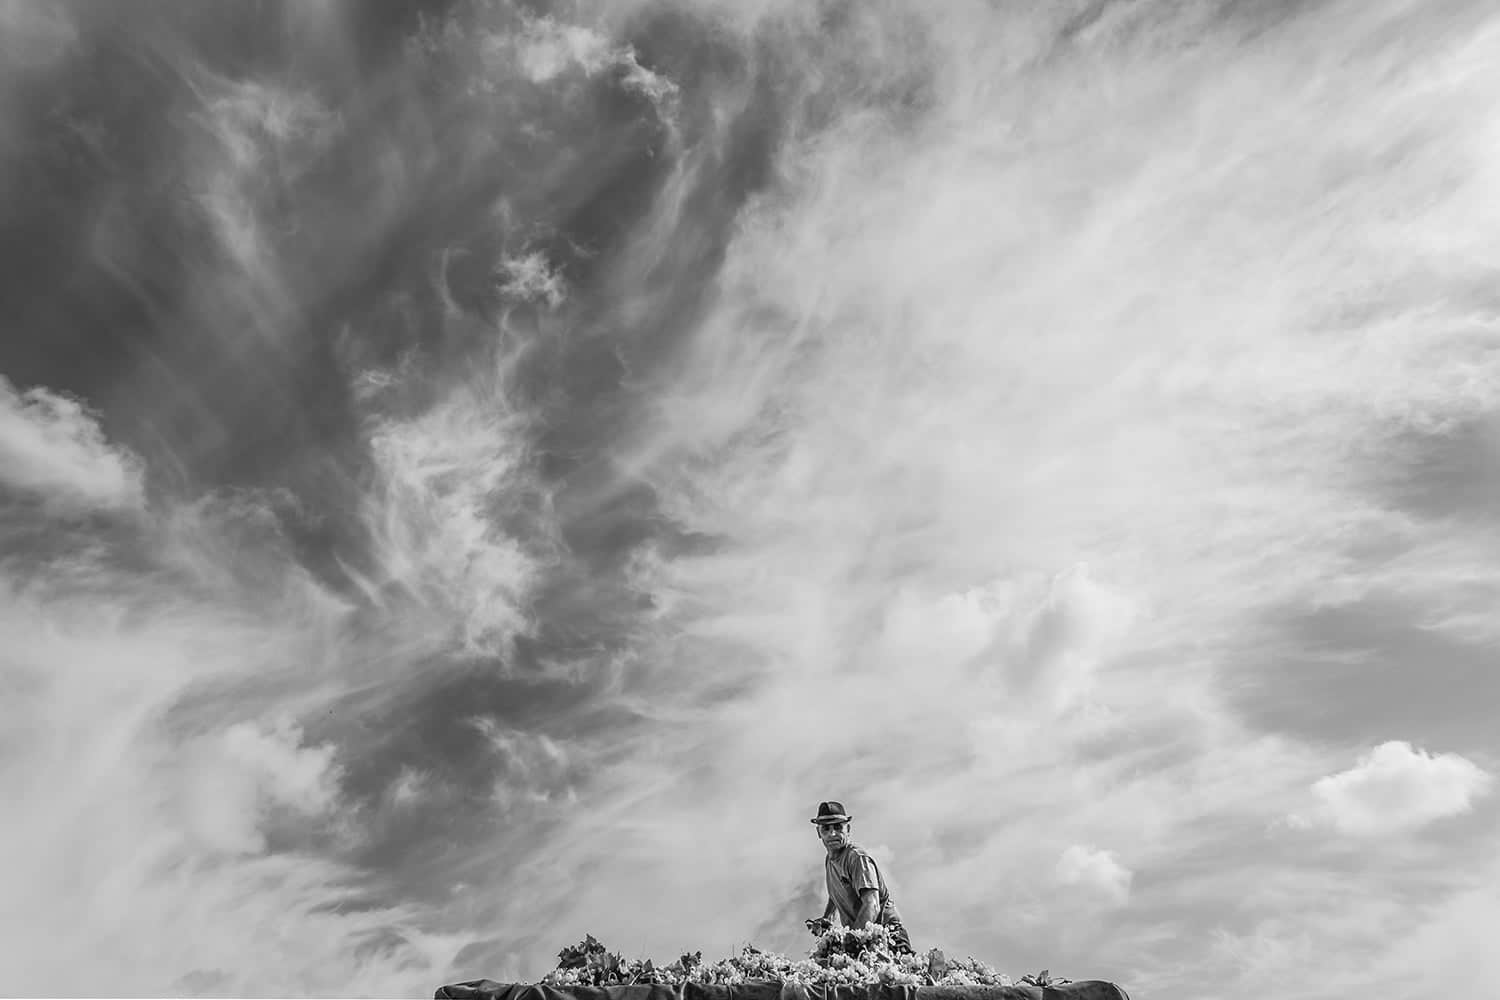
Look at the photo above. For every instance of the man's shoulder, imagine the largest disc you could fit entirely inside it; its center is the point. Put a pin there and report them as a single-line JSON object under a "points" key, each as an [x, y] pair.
{"points": [[854, 854]]}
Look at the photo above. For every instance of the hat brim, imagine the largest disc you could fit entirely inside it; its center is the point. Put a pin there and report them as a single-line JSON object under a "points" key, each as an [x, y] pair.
{"points": [[822, 820]]}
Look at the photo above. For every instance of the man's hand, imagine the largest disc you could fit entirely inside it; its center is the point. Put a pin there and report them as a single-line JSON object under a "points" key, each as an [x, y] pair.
{"points": [[819, 926]]}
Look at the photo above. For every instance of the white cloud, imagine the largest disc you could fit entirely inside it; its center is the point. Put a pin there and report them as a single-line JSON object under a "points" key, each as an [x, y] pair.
{"points": [[1049, 371], [948, 629], [259, 124], [52, 447], [260, 137], [545, 49], [1096, 871], [534, 768], [141, 845], [1068, 371], [528, 277], [409, 788], [238, 776], [443, 477], [169, 803], [1396, 788]]}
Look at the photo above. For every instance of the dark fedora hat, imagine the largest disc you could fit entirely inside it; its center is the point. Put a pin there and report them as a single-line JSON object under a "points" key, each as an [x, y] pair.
{"points": [[831, 812]]}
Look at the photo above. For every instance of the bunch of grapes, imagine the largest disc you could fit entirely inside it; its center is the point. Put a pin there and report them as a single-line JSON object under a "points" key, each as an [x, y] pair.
{"points": [[838, 958]]}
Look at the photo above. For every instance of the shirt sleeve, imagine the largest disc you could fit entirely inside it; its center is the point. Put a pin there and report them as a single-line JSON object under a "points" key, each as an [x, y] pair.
{"points": [[861, 872]]}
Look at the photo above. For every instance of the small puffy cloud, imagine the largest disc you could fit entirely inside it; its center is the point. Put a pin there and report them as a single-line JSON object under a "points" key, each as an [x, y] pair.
{"points": [[528, 278], [51, 446], [1395, 788], [1096, 871]]}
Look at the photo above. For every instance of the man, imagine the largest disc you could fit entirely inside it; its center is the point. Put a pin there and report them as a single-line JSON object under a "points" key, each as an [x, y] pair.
{"points": [[856, 890]]}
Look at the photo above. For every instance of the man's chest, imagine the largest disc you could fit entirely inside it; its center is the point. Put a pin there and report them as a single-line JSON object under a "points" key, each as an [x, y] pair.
{"points": [[838, 870]]}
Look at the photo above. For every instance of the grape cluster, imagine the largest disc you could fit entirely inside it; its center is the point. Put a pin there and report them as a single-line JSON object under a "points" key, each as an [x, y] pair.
{"points": [[838, 958]]}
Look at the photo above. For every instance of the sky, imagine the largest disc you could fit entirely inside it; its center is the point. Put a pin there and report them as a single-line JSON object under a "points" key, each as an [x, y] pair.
{"points": [[476, 473]]}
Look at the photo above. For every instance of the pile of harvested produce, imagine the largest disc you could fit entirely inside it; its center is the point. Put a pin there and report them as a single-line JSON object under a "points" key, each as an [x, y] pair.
{"points": [[839, 958]]}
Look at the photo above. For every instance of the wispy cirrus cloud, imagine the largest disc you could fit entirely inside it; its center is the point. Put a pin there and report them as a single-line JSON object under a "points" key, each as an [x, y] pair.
{"points": [[171, 820], [960, 355], [433, 514], [958, 410]]}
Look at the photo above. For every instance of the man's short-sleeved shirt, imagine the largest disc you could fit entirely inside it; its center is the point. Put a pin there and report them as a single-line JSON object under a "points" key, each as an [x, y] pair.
{"points": [[850, 869]]}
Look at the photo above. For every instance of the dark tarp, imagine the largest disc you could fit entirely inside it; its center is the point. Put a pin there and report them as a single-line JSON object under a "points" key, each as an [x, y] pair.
{"points": [[486, 989]]}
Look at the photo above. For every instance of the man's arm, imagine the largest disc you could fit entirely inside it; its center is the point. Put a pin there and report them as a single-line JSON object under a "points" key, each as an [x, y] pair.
{"points": [[869, 908], [822, 925]]}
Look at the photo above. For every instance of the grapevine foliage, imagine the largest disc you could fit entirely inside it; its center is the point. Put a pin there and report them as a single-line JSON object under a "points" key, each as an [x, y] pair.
{"points": [[838, 958]]}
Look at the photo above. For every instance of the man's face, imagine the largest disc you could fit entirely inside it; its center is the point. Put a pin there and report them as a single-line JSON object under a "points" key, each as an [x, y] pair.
{"points": [[833, 835]]}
